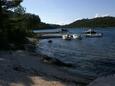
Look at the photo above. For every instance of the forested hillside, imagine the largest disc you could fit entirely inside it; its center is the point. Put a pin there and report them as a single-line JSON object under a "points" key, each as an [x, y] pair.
{"points": [[107, 21]]}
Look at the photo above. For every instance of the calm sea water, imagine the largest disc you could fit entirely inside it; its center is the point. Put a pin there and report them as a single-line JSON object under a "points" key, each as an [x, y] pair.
{"points": [[91, 56]]}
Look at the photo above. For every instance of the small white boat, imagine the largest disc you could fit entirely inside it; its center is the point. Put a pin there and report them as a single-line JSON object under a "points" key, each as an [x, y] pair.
{"points": [[67, 37], [76, 36], [92, 33]]}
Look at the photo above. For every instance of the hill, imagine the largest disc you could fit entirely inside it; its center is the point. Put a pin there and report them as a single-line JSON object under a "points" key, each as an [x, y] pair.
{"points": [[107, 21]]}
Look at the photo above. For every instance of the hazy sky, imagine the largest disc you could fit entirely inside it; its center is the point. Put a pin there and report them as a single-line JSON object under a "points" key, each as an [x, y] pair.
{"points": [[66, 11]]}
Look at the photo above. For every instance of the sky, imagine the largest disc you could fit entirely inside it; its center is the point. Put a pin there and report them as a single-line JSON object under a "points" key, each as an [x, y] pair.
{"points": [[67, 11]]}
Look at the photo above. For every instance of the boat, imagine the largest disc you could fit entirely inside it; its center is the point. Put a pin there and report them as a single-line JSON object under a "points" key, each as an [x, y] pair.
{"points": [[67, 37], [64, 30], [70, 36], [76, 36], [92, 33]]}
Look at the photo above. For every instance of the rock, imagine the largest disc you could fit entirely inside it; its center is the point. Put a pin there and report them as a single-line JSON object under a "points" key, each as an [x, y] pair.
{"points": [[49, 41], [104, 81], [57, 62], [19, 68]]}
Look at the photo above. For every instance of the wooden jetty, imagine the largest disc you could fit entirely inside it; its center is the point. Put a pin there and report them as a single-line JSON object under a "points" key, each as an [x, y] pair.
{"points": [[52, 34]]}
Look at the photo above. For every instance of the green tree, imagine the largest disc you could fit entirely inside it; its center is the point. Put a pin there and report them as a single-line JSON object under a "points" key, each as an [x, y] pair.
{"points": [[5, 6]]}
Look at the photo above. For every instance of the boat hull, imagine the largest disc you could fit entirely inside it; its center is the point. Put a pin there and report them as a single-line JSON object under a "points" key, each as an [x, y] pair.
{"points": [[94, 35], [76, 36], [66, 37]]}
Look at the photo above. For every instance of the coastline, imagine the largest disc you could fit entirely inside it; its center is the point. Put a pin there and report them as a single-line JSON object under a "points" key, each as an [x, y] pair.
{"points": [[23, 68]]}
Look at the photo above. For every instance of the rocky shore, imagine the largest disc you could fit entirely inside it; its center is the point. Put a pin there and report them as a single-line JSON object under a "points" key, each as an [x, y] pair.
{"points": [[22, 68]]}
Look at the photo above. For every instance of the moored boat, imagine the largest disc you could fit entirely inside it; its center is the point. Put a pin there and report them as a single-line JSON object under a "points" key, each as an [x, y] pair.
{"points": [[92, 33], [71, 36], [67, 37], [76, 36]]}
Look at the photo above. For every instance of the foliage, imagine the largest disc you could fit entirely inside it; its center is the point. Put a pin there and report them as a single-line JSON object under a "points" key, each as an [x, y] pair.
{"points": [[13, 27], [16, 24], [6, 4], [32, 20], [46, 26]]}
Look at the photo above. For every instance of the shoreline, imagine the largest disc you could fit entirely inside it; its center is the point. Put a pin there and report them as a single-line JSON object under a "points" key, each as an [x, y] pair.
{"points": [[22, 64]]}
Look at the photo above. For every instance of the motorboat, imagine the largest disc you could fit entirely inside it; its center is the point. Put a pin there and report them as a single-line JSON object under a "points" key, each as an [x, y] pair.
{"points": [[76, 36], [71, 36], [92, 33], [67, 37]]}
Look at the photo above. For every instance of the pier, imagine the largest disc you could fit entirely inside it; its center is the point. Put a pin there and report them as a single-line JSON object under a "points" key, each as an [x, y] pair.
{"points": [[49, 34], [46, 36]]}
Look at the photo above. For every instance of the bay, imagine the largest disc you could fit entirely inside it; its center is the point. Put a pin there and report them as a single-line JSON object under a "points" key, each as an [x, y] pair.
{"points": [[91, 56]]}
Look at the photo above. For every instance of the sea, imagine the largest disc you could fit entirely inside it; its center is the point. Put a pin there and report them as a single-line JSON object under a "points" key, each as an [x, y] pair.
{"points": [[91, 56]]}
